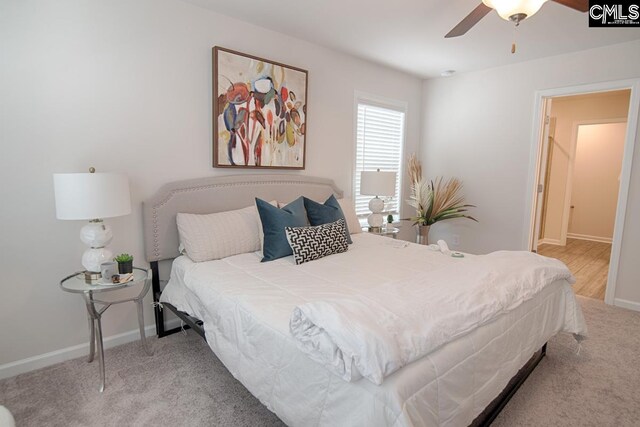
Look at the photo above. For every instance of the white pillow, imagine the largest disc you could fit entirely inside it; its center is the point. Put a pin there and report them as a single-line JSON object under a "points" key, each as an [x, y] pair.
{"points": [[219, 235], [349, 212]]}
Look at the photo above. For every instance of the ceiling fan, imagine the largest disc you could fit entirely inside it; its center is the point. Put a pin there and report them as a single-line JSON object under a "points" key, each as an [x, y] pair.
{"points": [[510, 10]]}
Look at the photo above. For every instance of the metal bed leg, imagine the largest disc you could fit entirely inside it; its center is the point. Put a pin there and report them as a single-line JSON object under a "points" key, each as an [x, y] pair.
{"points": [[156, 299], [189, 321]]}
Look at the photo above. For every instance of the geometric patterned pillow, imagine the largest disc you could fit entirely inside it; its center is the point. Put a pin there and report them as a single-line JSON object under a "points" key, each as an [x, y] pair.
{"points": [[310, 243]]}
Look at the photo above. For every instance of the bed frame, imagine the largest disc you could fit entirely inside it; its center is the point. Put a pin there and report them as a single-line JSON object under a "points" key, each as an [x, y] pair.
{"points": [[223, 193], [208, 195]]}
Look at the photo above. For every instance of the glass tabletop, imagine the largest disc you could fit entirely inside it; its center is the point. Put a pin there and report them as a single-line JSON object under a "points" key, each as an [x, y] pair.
{"points": [[76, 283], [383, 230]]}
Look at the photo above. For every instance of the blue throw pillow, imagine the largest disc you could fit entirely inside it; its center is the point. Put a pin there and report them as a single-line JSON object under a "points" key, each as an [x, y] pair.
{"points": [[330, 211], [274, 220]]}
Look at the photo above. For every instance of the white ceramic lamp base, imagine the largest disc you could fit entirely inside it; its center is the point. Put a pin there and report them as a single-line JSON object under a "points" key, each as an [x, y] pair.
{"points": [[97, 235], [93, 258], [375, 219]]}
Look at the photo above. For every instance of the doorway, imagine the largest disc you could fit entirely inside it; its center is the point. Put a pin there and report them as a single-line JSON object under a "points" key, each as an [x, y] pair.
{"points": [[581, 157]]}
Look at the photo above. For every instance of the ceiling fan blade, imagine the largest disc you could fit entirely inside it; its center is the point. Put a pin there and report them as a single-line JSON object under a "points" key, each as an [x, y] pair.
{"points": [[579, 5], [469, 21]]}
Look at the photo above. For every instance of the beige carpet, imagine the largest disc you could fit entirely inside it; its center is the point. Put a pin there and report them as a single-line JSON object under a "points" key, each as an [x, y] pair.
{"points": [[184, 384]]}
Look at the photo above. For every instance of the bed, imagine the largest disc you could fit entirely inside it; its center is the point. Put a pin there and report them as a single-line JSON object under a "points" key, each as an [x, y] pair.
{"points": [[242, 307]]}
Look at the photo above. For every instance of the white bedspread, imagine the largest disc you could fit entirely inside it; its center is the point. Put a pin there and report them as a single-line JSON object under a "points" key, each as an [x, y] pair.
{"points": [[246, 307], [382, 329]]}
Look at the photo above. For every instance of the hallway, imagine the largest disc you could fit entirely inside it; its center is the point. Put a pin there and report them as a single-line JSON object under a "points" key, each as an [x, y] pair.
{"points": [[587, 260]]}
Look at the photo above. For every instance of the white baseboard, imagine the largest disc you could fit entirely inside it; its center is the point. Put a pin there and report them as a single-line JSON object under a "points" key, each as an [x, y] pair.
{"points": [[47, 359], [590, 238], [631, 305], [550, 242]]}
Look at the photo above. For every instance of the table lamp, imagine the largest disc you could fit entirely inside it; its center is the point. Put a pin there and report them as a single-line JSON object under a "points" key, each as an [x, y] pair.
{"points": [[377, 183], [92, 196]]}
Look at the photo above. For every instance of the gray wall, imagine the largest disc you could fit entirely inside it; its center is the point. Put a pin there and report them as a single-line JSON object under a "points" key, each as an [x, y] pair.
{"points": [[479, 127], [126, 86]]}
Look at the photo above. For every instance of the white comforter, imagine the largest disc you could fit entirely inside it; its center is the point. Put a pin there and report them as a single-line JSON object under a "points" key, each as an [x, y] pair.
{"points": [[246, 307], [378, 331]]}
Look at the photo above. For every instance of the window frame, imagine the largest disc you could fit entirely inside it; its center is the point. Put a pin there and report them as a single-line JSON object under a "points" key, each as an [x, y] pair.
{"points": [[390, 104]]}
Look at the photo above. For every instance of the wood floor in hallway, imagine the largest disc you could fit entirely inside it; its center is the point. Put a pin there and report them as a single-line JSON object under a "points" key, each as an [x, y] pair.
{"points": [[588, 261]]}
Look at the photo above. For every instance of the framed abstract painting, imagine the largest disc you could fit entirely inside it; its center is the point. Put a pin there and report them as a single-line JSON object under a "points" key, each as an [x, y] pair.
{"points": [[259, 112]]}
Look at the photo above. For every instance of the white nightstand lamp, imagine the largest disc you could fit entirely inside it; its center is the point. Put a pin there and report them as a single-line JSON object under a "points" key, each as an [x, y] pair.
{"points": [[92, 196], [377, 183]]}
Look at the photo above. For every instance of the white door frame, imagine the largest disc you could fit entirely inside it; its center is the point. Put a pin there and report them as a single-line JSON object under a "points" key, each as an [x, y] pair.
{"points": [[627, 160], [566, 210]]}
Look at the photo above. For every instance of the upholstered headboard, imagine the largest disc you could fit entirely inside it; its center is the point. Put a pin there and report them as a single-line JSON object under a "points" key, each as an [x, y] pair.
{"points": [[217, 194]]}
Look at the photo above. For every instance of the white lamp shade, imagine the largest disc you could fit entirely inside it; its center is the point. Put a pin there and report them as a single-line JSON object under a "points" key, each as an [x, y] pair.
{"points": [[91, 195], [377, 183], [507, 8]]}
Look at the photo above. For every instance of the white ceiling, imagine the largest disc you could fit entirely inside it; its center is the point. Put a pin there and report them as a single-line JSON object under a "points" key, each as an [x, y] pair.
{"points": [[409, 34]]}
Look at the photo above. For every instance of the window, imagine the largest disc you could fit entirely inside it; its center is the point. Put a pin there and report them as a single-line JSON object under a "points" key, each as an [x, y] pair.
{"points": [[379, 141]]}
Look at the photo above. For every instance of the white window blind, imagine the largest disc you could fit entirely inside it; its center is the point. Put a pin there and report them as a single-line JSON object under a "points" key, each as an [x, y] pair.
{"points": [[379, 141]]}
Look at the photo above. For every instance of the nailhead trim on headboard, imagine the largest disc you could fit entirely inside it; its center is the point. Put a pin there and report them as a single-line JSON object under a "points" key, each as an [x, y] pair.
{"points": [[244, 181]]}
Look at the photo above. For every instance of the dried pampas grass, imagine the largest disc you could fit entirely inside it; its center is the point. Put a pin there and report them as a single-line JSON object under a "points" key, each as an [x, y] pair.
{"points": [[438, 201], [414, 169]]}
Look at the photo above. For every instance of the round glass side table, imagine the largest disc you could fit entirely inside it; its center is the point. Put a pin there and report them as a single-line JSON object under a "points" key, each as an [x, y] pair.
{"points": [[384, 231], [76, 283]]}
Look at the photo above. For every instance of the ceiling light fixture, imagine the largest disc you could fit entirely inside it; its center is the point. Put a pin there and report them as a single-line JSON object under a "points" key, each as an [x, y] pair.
{"points": [[447, 73], [515, 10]]}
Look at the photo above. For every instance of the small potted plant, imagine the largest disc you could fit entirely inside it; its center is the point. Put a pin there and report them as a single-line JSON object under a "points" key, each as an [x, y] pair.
{"points": [[125, 263], [389, 222]]}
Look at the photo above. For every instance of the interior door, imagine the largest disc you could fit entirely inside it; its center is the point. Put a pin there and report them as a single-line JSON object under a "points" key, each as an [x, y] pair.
{"points": [[547, 175], [542, 173]]}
